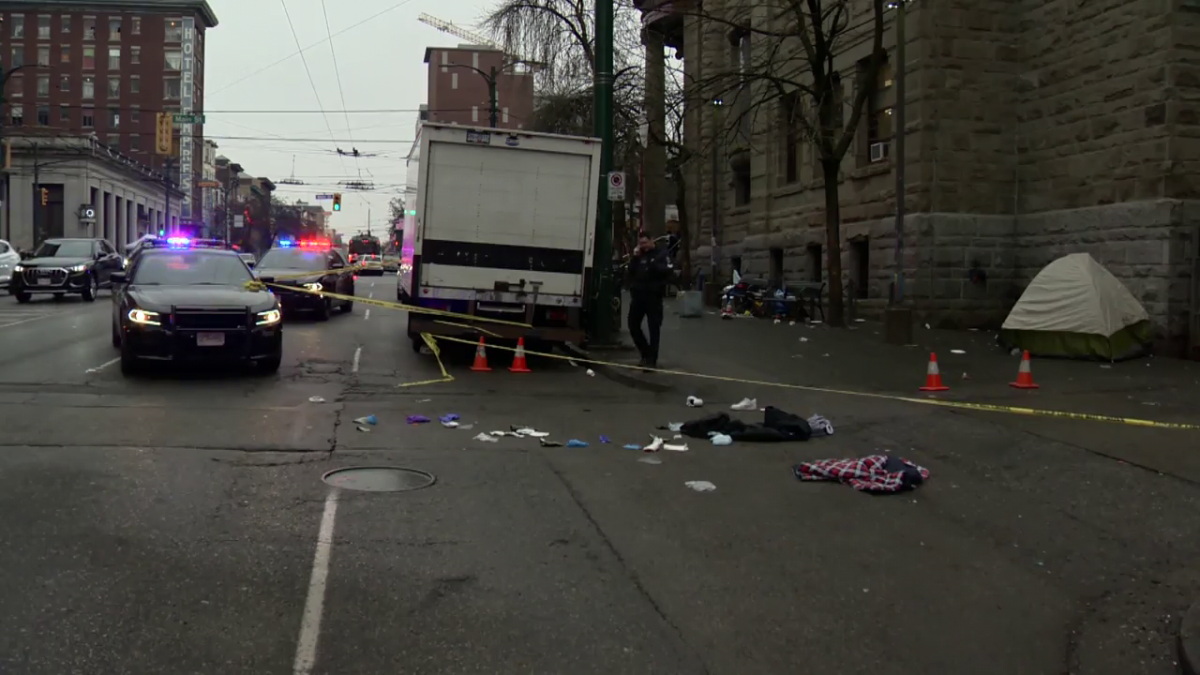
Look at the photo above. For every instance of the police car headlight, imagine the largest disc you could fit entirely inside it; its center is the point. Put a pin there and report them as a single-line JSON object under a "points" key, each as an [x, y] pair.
{"points": [[269, 318], [77, 268], [144, 317], [315, 287]]}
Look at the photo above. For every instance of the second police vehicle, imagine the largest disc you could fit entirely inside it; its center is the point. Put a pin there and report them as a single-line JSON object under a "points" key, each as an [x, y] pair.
{"points": [[315, 266]]}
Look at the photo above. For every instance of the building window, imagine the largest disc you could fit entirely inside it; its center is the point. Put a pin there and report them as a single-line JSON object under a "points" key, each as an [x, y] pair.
{"points": [[64, 54], [173, 60], [43, 57], [89, 28], [174, 30], [89, 58], [18, 57], [113, 141], [135, 85], [789, 123], [814, 262], [135, 55], [89, 88], [89, 118], [43, 86], [474, 113], [137, 25], [43, 28], [505, 116], [860, 254], [18, 115], [114, 30], [741, 181], [171, 88], [135, 115], [454, 80], [776, 268], [879, 115], [114, 118], [114, 87], [135, 142], [18, 24], [64, 114], [43, 115], [18, 86], [64, 83], [114, 58]]}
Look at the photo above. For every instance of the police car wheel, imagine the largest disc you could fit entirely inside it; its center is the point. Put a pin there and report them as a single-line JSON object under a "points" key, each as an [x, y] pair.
{"points": [[348, 307]]}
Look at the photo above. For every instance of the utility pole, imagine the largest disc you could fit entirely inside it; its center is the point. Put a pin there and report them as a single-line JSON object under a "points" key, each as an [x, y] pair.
{"points": [[37, 199], [898, 156], [167, 214], [602, 309], [4, 196]]}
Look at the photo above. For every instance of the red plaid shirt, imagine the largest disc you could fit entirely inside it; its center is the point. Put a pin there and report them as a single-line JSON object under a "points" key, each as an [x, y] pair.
{"points": [[866, 474]]}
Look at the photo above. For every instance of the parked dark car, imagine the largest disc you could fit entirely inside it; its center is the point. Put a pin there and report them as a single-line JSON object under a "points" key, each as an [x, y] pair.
{"points": [[310, 269], [194, 305], [61, 266]]}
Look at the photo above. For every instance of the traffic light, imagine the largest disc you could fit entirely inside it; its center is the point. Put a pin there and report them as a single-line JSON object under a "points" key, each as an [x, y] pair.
{"points": [[337, 201], [45, 196]]}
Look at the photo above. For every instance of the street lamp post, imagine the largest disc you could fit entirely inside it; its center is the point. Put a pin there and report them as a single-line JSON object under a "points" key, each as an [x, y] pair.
{"points": [[4, 75], [491, 75], [898, 319]]}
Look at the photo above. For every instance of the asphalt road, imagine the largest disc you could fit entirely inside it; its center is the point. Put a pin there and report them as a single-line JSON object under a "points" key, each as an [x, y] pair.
{"points": [[177, 523]]}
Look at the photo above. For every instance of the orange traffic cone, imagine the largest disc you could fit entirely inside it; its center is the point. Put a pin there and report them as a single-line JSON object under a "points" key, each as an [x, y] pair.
{"points": [[1024, 375], [933, 377], [518, 364], [480, 364]]}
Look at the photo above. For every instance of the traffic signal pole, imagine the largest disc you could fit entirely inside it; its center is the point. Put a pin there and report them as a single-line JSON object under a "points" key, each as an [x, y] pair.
{"points": [[604, 301]]}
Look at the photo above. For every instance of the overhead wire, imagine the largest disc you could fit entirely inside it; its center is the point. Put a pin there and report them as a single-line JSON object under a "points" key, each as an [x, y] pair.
{"points": [[338, 73], [312, 83], [315, 44]]}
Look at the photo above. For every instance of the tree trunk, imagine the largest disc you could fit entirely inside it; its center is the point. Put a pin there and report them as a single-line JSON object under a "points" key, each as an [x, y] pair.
{"points": [[833, 240]]}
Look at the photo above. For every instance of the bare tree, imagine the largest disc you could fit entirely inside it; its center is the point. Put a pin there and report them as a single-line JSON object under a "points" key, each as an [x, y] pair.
{"points": [[786, 60]]}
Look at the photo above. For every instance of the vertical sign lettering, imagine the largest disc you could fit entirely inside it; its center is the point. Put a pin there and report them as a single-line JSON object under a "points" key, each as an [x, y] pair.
{"points": [[186, 138]]}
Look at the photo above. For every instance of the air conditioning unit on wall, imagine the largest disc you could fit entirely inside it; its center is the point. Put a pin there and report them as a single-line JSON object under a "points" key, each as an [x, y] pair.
{"points": [[879, 152]]}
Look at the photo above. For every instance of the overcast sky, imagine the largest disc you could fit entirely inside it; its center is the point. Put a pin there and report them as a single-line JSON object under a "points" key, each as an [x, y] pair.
{"points": [[381, 67]]}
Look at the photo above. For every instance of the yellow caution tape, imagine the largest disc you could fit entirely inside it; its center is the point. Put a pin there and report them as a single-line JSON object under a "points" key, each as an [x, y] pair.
{"points": [[437, 354], [401, 306], [983, 407]]}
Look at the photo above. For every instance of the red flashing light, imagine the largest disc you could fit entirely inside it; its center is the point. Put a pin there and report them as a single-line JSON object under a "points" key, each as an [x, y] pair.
{"points": [[314, 243]]}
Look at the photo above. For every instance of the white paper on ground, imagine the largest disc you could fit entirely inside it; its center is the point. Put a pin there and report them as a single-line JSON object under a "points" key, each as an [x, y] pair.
{"points": [[655, 445], [701, 485], [722, 439], [675, 448], [487, 439]]}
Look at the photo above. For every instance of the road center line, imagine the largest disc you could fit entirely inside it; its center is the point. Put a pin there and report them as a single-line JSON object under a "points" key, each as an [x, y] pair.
{"points": [[314, 605], [357, 355], [102, 366], [36, 318], [367, 316], [371, 294]]}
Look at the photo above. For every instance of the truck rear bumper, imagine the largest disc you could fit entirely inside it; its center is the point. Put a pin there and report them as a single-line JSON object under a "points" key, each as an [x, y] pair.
{"points": [[462, 328]]}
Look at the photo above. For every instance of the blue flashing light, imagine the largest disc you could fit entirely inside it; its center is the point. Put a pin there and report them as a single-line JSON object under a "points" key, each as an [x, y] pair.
{"points": [[285, 243], [179, 242]]}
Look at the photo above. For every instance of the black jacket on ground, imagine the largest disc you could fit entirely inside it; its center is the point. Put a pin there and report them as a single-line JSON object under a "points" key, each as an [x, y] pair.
{"points": [[649, 273], [778, 426]]}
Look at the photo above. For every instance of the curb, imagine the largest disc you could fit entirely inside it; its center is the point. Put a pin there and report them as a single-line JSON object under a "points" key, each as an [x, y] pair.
{"points": [[621, 376], [1189, 641]]}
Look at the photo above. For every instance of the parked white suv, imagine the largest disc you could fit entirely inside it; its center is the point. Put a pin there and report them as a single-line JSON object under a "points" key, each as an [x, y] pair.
{"points": [[8, 260]]}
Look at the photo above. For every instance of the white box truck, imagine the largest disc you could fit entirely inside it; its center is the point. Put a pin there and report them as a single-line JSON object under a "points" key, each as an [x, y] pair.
{"points": [[504, 228]]}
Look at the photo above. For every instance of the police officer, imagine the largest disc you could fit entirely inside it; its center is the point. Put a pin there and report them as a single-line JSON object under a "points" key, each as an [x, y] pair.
{"points": [[648, 274]]}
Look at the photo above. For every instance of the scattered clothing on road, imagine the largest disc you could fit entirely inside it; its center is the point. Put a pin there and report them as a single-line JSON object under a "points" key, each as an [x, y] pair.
{"points": [[778, 426], [820, 426], [877, 474]]}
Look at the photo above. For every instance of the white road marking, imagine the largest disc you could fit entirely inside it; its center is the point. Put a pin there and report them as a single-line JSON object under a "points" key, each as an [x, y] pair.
{"points": [[102, 366], [314, 605], [367, 315], [371, 294], [357, 355], [36, 318]]}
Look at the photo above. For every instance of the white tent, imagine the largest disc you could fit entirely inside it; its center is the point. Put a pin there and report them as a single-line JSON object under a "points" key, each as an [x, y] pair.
{"points": [[1075, 307]]}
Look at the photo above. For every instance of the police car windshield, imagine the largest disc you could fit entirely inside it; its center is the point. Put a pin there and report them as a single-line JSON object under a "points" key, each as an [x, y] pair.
{"points": [[292, 259], [64, 249], [190, 268]]}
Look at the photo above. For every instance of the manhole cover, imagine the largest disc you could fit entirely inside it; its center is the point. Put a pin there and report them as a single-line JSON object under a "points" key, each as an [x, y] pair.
{"points": [[378, 479]]}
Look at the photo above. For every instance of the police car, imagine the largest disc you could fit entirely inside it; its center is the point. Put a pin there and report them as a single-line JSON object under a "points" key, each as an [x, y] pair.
{"points": [[194, 304], [312, 267]]}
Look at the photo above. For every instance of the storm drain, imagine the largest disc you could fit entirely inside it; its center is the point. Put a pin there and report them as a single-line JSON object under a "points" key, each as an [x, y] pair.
{"points": [[378, 479]]}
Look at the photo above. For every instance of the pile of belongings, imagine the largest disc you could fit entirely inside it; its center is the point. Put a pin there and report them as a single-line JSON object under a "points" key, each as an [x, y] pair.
{"points": [[778, 426], [877, 474]]}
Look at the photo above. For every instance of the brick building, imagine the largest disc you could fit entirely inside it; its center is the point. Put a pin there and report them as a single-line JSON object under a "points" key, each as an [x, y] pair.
{"points": [[107, 67], [1035, 128], [458, 87]]}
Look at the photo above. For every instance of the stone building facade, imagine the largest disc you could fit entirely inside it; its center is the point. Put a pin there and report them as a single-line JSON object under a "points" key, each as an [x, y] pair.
{"points": [[1035, 128]]}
